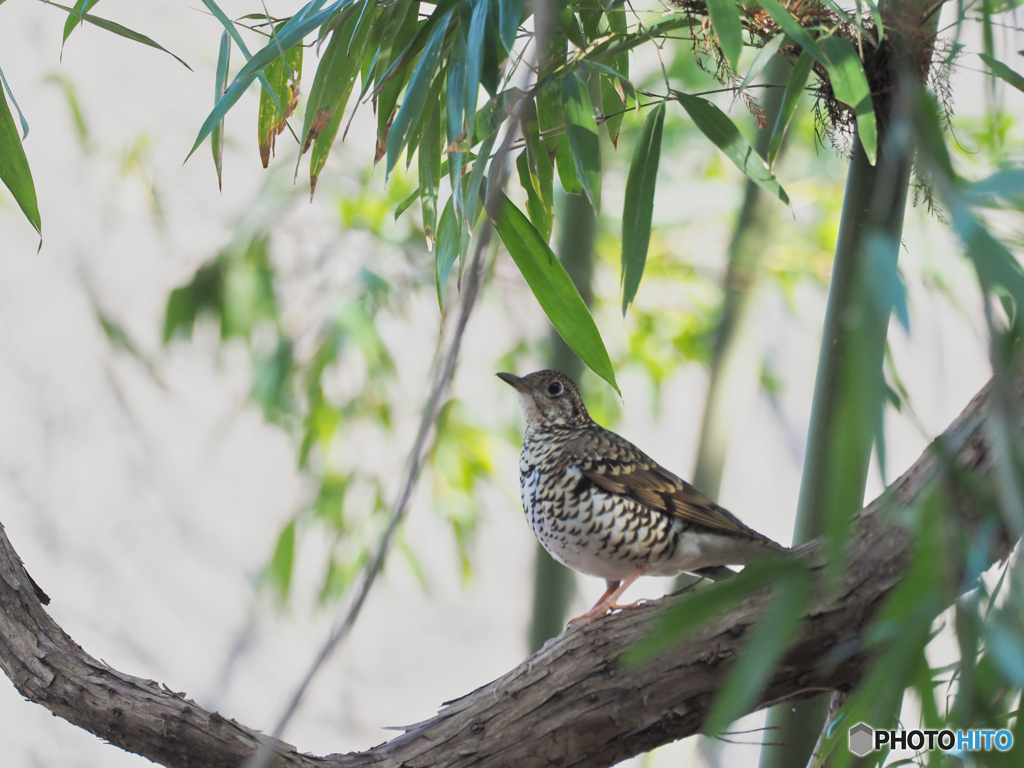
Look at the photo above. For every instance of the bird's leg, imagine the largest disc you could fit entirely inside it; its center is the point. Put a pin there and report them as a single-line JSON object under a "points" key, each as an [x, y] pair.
{"points": [[607, 602]]}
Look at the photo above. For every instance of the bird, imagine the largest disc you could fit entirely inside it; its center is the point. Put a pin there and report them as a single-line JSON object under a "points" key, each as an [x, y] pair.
{"points": [[601, 506]]}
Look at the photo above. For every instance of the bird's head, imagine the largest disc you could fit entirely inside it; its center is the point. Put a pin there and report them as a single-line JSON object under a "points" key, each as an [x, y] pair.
{"points": [[549, 399]]}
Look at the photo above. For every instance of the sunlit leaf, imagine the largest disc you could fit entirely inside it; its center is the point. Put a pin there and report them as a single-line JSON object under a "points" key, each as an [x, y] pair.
{"points": [[14, 170], [725, 22], [581, 131], [284, 74], [794, 90], [850, 86], [638, 208], [553, 289], [716, 125]]}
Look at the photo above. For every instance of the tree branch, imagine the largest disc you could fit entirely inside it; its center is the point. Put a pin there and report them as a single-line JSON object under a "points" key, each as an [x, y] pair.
{"points": [[571, 704]]}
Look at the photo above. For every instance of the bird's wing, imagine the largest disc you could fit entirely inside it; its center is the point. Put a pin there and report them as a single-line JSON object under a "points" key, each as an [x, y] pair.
{"points": [[618, 466]]}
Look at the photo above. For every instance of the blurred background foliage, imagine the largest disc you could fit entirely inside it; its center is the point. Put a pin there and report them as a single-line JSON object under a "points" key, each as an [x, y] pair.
{"points": [[324, 373]]}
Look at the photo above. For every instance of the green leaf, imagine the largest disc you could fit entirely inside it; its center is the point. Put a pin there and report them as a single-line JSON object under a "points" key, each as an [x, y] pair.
{"points": [[279, 571], [850, 86], [639, 205], [117, 29], [283, 74], [725, 22], [536, 173], [331, 89], [475, 58], [74, 19], [293, 31], [621, 41], [14, 170], [430, 170], [761, 61], [14, 101], [1003, 72], [781, 16], [553, 289], [219, 85], [762, 651], [794, 90], [581, 131], [454, 111], [450, 245], [416, 92], [714, 124], [510, 14]]}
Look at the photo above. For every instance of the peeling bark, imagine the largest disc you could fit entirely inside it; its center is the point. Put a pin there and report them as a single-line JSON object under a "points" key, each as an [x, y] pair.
{"points": [[572, 703]]}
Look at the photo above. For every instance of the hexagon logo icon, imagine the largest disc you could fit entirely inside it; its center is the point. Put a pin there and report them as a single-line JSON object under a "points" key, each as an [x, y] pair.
{"points": [[861, 739]]}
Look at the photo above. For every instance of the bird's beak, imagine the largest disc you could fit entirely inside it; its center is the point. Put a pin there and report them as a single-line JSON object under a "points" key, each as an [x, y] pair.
{"points": [[514, 381]]}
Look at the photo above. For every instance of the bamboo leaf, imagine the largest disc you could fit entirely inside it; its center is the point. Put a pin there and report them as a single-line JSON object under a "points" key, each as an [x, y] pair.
{"points": [[454, 111], [75, 19], [416, 92], [117, 29], [14, 170], [283, 74], [430, 170], [450, 242], [582, 135], [553, 289], [725, 22], [762, 651], [1003, 72], [331, 90], [510, 14], [794, 90], [714, 124], [219, 85], [14, 101], [538, 182], [761, 61], [475, 58], [639, 206], [850, 86]]}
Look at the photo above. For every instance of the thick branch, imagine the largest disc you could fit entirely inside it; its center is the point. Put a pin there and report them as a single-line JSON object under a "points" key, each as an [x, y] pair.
{"points": [[571, 704]]}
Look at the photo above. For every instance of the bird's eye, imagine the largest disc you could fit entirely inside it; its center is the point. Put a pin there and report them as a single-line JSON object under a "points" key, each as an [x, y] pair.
{"points": [[555, 388]]}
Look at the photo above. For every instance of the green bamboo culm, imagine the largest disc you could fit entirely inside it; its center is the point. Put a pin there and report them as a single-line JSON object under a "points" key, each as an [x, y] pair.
{"points": [[554, 584], [846, 408]]}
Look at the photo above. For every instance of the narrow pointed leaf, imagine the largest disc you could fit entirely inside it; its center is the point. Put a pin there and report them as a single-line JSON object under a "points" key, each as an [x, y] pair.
{"points": [[716, 125], [220, 84], [639, 206], [581, 131], [1002, 71], [454, 111], [475, 58], [725, 22], [416, 93], [539, 172], [14, 170], [14, 101], [391, 82], [75, 19], [447, 250], [331, 90], [284, 74], [430, 170], [770, 49], [794, 90], [850, 86], [553, 289], [510, 14], [117, 29]]}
